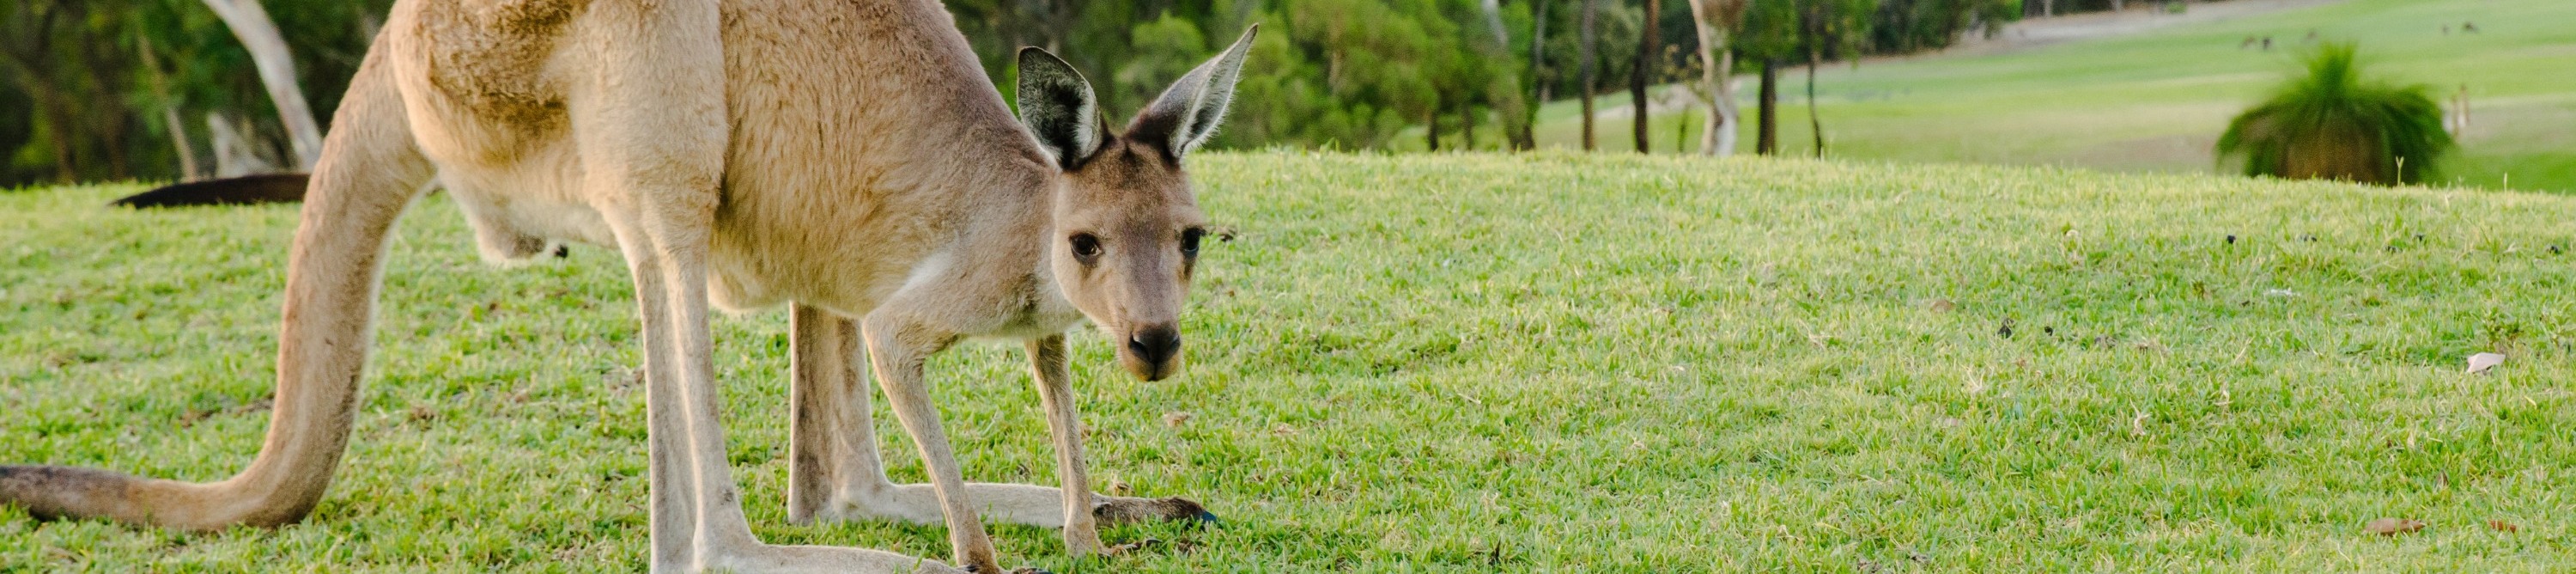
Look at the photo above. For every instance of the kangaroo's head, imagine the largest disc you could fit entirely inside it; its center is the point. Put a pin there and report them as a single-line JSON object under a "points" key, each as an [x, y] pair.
{"points": [[1127, 229]]}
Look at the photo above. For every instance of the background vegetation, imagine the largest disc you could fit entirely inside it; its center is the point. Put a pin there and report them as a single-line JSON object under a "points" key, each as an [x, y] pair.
{"points": [[2158, 100], [87, 86], [1459, 363], [2333, 123]]}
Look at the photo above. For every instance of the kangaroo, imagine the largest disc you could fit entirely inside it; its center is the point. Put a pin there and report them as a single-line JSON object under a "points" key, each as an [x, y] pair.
{"points": [[845, 158]]}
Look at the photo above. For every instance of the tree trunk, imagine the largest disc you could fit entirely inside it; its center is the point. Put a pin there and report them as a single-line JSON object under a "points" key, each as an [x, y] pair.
{"points": [[1716, 20], [59, 127], [1642, 74], [54, 115], [1431, 127], [1814, 122], [188, 170], [250, 23], [1681, 131], [1766, 135], [1511, 112], [108, 116], [1538, 54], [1590, 85], [1466, 128], [1814, 33], [2047, 8], [237, 153]]}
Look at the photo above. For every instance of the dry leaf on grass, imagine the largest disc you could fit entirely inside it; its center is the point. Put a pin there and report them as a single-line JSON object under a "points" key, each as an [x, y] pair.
{"points": [[2502, 526], [2393, 526], [1175, 418], [2482, 362]]}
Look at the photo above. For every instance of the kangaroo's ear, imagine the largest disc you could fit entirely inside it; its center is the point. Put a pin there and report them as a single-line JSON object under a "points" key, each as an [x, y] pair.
{"points": [[1056, 104], [1188, 112]]}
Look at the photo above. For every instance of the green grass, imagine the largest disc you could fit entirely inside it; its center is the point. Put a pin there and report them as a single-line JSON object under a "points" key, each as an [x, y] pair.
{"points": [[1460, 363], [2157, 101]]}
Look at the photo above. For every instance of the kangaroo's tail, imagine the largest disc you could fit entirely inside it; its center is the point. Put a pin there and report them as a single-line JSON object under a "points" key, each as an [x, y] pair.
{"points": [[370, 169], [244, 190]]}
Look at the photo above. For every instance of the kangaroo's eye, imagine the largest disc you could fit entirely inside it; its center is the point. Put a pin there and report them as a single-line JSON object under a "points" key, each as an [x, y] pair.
{"points": [[1190, 241], [1085, 247]]}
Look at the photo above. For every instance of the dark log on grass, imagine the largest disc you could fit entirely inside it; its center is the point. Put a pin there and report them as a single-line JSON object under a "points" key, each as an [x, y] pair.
{"points": [[244, 190]]}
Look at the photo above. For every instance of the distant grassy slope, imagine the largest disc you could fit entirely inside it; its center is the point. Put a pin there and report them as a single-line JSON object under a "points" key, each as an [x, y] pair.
{"points": [[1461, 363], [2157, 101]]}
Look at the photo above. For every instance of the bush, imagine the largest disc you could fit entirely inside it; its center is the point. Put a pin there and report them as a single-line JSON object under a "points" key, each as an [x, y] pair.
{"points": [[2329, 124]]}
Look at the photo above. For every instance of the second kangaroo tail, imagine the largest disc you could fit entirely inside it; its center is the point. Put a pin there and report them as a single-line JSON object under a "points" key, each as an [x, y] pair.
{"points": [[369, 171]]}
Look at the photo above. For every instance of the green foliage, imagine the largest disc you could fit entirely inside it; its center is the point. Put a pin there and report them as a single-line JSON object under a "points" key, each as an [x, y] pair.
{"points": [[1456, 363], [1904, 26], [91, 114], [2332, 124], [77, 104]]}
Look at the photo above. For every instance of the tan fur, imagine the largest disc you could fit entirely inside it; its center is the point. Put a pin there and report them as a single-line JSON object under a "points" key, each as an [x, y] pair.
{"points": [[847, 157]]}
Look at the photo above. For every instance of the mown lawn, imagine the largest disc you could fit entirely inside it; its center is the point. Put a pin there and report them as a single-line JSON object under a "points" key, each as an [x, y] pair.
{"points": [[2156, 101], [1461, 363]]}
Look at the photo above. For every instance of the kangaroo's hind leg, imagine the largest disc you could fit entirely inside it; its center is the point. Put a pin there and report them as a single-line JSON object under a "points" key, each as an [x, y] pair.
{"points": [[647, 118]]}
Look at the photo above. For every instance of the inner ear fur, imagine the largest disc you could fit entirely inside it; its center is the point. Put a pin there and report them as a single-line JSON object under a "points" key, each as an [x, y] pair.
{"points": [[1057, 106], [1189, 111]]}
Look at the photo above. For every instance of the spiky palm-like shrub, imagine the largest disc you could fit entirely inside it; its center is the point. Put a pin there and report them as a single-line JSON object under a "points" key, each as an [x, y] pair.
{"points": [[2329, 124]]}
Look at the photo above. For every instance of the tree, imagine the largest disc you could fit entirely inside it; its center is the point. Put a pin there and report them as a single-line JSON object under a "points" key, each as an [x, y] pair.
{"points": [[1591, 13], [1814, 31], [1639, 74], [2330, 124], [1771, 32], [1904, 26], [118, 89], [1539, 78], [1767, 134], [1716, 22], [1509, 106], [276, 65], [110, 89], [170, 118]]}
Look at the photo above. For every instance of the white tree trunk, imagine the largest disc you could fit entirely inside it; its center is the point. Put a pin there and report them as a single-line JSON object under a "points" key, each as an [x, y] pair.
{"points": [[250, 23], [1716, 20], [1720, 138], [1493, 10], [237, 151]]}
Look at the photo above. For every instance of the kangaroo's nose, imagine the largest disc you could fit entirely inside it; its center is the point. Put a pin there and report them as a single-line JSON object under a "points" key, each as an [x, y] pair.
{"points": [[1155, 344]]}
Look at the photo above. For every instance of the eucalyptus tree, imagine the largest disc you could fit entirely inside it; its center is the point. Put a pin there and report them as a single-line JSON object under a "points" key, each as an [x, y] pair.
{"points": [[1716, 22]]}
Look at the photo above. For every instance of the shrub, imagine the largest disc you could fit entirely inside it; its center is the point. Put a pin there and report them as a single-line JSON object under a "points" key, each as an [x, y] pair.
{"points": [[2329, 124]]}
